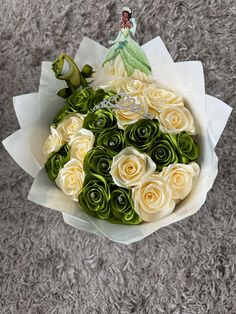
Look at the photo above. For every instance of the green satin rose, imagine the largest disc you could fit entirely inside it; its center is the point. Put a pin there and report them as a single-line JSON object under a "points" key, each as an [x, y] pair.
{"points": [[122, 207], [99, 120], [98, 96], [163, 153], [95, 195], [142, 134], [188, 149], [172, 139], [57, 161], [98, 160], [112, 139], [82, 100], [78, 101]]}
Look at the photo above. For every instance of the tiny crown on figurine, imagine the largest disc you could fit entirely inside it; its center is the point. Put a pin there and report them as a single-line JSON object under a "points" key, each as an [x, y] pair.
{"points": [[127, 9]]}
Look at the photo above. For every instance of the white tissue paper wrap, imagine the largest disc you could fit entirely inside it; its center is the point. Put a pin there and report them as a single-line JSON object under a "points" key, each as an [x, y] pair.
{"points": [[36, 111]]}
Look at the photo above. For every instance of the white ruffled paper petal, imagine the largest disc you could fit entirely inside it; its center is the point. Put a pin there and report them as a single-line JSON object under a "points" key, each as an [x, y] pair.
{"points": [[192, 81], [125, 234], [19, 150], [81, 224], [44, 190], [217, 115], [26, 108], [25, 145], [192, 88], [34, 137], [90, 52], [48, 82], [37, 132], [50, 105], [156, 52], [217, 112]]}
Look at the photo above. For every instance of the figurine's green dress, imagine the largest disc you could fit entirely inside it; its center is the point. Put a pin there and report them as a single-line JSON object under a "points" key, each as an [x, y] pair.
{"points": [[125, 49]]}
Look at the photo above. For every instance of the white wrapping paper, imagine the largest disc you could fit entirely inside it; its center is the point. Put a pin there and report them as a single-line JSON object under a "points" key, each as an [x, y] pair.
{"points": [[36, 111]]}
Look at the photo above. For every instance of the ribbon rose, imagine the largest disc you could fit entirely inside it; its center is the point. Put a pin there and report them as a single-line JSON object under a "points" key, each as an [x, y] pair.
{"points": [[53, 143], [153, 198], [95, 195], [112, 139], [180, 178], [81, 143], [129, 167], [70, 125], [78, 101], [122, 207], [142, 134], [70, 178], [99, 161], [163, 152], [99, 120], [57, 161]]}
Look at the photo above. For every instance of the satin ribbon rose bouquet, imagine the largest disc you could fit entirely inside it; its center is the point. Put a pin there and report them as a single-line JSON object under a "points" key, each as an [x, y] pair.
{"points": [[119, 155]]}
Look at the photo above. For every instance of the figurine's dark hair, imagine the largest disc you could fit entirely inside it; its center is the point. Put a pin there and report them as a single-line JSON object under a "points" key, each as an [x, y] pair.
{"points": [[130, 14]]}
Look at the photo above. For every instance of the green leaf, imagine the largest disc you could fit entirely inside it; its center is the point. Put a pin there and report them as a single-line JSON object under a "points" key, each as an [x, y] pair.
{"points": [[130, 62], [113, 52], [64, 92], [87, 71]]}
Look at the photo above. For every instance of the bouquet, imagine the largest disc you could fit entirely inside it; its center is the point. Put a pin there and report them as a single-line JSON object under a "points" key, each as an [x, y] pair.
{"points": [[121, 141]]}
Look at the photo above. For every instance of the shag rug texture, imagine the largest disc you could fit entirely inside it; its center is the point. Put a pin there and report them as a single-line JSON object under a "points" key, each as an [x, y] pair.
{"points": [[47, 266]]}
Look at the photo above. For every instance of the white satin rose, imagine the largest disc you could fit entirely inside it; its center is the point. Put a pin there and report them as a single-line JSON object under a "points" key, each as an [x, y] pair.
{"points": [[72, 123], [70, 179], [126, 117], [153, 198], [130, 86], [129, 167], [53, 143], [161, 98], [176, 120], [81, 143], [181, 178], [132, 110]]}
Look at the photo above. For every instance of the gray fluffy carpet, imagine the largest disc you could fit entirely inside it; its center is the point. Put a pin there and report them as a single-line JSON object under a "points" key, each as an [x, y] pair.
{"points": [[47, 266]]}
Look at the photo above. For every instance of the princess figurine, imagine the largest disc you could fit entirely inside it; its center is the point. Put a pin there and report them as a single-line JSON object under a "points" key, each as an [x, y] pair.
{"points": [[126, 57]]}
